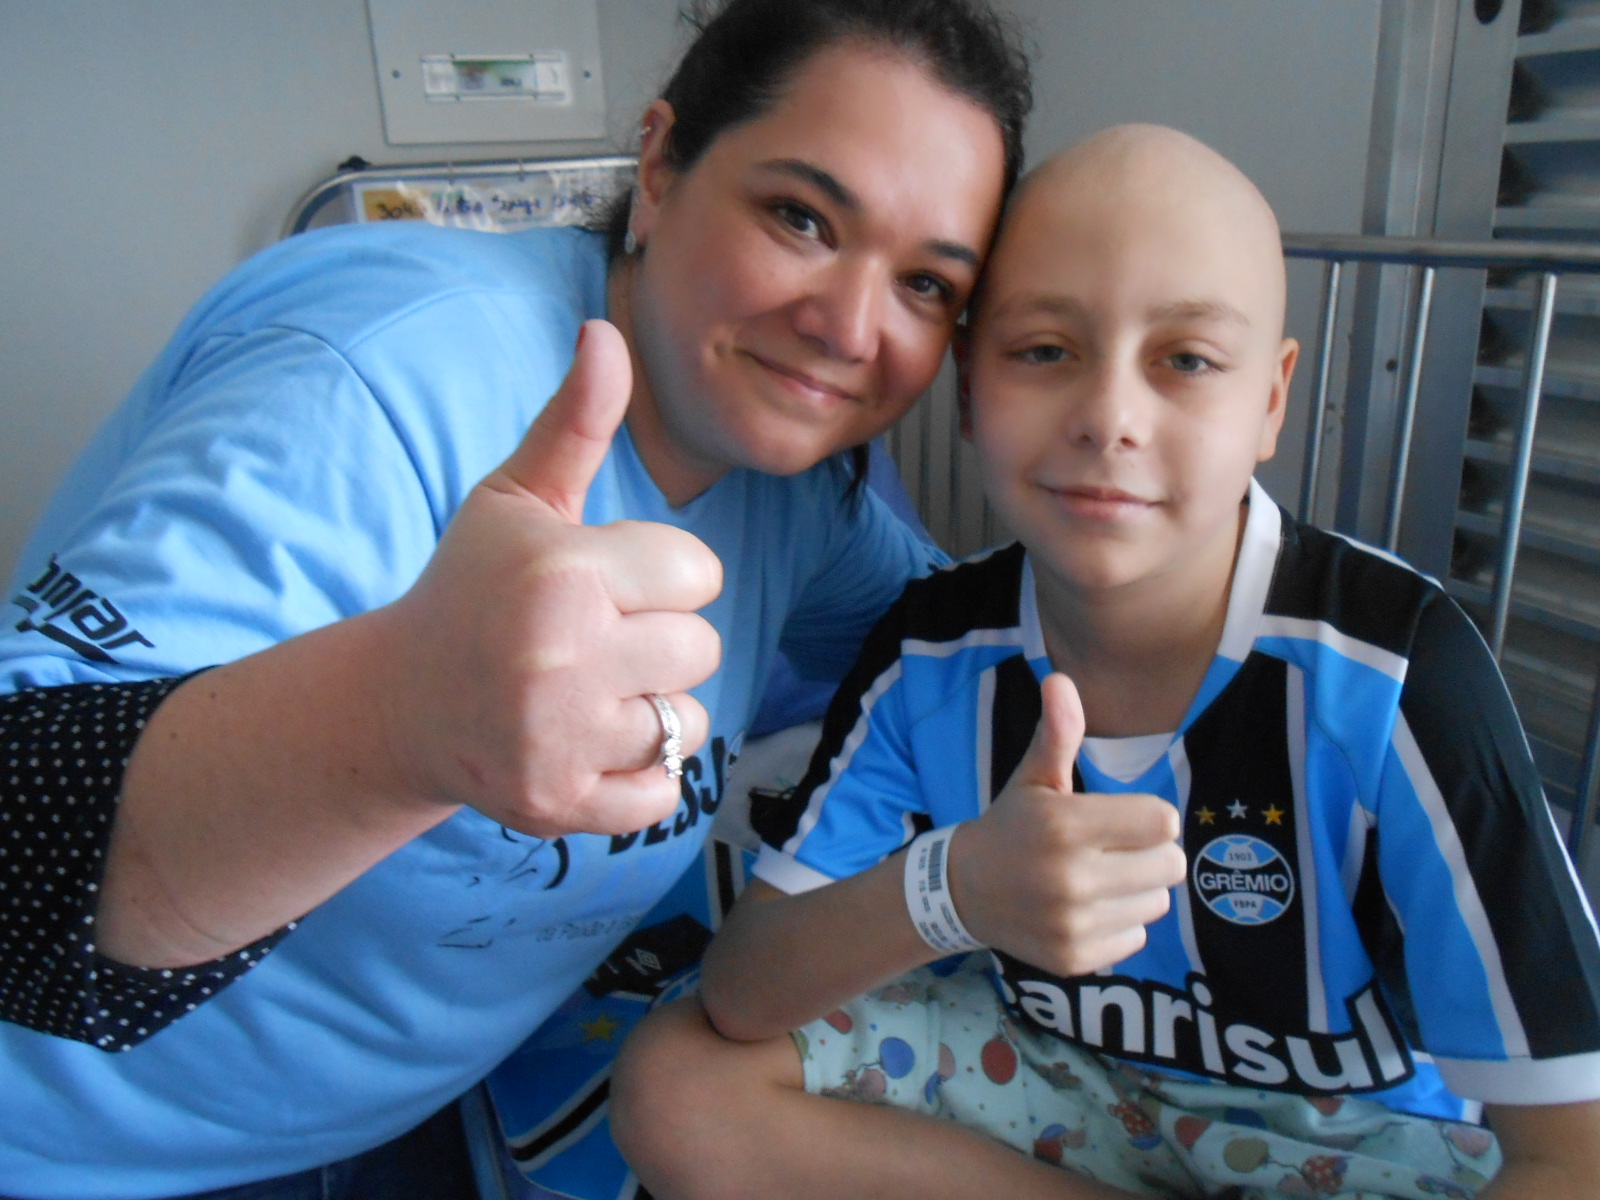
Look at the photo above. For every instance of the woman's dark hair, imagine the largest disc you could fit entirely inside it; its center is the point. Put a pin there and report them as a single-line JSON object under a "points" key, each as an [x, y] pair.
{"points": [[746, 51]]}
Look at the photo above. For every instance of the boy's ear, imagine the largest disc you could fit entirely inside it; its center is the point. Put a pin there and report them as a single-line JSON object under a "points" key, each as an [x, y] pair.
{"points": [[1278, 401], [961, 351], [655, 177]]}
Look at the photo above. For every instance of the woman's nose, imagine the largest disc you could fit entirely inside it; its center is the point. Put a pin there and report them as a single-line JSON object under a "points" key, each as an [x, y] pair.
{"points": [[844, 311]]}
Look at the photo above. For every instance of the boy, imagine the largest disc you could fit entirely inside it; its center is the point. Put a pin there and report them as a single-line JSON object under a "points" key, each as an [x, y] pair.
{"points": [[1372, 927]]}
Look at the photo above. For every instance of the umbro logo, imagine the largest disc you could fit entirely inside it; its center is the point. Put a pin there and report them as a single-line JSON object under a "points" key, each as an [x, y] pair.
{"points": [[59, 606]]}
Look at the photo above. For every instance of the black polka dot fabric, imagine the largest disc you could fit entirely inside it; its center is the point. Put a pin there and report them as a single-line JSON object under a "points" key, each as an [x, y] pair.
{"points": [[62, 754]]}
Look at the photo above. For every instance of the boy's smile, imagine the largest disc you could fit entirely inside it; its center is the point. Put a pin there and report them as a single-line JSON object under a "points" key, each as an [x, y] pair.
{"points": [[1126, 370], [1099, 503]]}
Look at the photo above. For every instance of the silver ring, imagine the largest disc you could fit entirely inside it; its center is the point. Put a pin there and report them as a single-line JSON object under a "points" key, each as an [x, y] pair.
{"points": [[671, 734]]}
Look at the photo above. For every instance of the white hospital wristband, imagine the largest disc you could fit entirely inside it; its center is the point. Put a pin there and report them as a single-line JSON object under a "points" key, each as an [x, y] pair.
{"points": [[928, 894]]}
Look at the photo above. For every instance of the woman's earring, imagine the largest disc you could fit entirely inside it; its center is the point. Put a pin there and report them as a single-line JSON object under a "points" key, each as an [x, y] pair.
{"points": [[630, 244]]}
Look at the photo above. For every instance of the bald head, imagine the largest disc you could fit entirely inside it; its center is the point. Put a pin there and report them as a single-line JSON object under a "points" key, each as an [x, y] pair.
{"points": [[1155, 161], [1150, 188], [1129, 329]]}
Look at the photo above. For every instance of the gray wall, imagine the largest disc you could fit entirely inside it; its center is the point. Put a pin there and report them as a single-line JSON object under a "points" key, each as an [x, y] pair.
{"points": [[146, 146]]}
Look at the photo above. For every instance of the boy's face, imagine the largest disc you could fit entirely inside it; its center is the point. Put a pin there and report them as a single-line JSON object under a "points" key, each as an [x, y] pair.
{"points": [[1126, 371]]}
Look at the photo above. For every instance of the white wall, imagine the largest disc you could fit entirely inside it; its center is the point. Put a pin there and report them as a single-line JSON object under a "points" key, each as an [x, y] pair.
{"points": [[147, 146]]}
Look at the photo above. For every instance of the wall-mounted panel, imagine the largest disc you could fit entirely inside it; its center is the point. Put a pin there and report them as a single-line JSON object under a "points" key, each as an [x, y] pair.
{"points": [[488, 70]]}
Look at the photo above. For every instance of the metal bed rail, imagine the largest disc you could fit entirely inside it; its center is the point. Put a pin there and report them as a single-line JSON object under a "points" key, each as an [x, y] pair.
{"points": [[1549, 261]]}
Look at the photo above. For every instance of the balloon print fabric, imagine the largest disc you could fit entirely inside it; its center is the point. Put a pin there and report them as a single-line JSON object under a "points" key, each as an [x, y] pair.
{"points": [[940, 1041]]}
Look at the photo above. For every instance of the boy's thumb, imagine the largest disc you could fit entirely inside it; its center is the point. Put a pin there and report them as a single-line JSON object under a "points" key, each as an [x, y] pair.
{"points": [[564, 447], [1048, 762]]}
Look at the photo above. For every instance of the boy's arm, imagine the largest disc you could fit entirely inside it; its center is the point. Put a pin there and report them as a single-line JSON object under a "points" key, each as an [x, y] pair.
{"points": [[1478, 923], [1551, 1151], [796, 945], [1064, 880], [782, 960]]}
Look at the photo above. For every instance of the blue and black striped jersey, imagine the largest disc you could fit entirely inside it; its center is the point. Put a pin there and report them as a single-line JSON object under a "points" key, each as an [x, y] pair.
{"points": [[1377, 901]]}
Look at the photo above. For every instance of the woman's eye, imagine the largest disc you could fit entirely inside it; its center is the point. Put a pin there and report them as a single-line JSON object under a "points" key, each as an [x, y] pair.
{"points": [[931, 286], [798, 218]]}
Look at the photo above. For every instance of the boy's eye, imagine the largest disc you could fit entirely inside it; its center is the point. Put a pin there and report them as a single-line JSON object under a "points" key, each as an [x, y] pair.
{"points": [[1042, 354], [1189, 363]]}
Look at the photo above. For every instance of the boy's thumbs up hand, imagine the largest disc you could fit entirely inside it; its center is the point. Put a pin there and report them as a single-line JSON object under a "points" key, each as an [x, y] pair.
{"points": [[1057, 738], [523, 653], [1063, 879]]}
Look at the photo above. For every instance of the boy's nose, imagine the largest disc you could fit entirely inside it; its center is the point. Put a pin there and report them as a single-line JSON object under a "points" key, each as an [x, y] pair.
{"points": [[844, 312], [1113, 408]]}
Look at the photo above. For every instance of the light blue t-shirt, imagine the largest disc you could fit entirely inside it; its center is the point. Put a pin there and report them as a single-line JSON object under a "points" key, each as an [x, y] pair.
{"points": [[291, 459]]}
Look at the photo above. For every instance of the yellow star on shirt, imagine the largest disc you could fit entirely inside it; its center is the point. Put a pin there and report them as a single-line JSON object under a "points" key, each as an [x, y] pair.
{"points": [[1207, 817], [1274, 815], [600, 1029]]}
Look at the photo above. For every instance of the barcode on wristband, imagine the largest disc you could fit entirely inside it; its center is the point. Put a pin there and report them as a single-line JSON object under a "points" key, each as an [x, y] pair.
{"points": [[929, 905], [936, 865]]}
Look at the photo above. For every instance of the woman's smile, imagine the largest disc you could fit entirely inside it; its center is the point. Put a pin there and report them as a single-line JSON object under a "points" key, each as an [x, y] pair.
{"points": [[797, 286], [810, 390]]}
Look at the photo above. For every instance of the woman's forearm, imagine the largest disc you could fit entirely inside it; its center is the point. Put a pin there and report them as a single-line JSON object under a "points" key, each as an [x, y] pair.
{"points": [[263, 787], [258, 790]]}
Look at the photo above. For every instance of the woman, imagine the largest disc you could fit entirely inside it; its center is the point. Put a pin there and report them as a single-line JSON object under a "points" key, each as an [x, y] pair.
{"points": [[397, 795]]}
